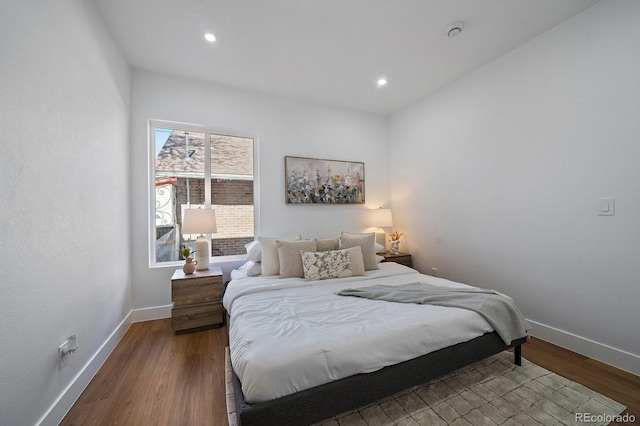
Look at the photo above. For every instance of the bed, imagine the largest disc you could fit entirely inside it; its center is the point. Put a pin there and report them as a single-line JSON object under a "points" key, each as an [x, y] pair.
{"points": [[301, 353]]}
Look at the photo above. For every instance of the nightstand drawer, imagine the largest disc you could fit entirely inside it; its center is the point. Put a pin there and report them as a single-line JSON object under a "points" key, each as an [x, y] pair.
{"points": [[198, 315], [205, 289]]}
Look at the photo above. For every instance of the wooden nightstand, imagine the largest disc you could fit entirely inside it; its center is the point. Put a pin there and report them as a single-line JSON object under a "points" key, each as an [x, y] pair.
{"points": [[401, 258], [196, 300]]}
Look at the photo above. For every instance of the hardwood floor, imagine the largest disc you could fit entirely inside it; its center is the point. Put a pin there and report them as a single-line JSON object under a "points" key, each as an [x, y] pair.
{"points": [[609, 381], [155, 377]]}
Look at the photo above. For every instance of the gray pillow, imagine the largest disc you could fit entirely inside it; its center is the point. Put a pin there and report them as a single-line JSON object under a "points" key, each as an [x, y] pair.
{"points": [[357, 263], [269, 254], [328, 245], [290, 258], [366, 243]]}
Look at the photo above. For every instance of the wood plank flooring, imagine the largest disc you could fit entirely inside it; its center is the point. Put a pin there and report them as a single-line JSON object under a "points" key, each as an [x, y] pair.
{"points": [[609, 381], [155, 377]]}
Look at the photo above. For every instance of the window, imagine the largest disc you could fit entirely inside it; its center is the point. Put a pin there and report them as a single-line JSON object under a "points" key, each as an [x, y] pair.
{"points": [[196, 167]]}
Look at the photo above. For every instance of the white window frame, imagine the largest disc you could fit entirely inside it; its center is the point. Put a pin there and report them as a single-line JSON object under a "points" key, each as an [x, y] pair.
{"points": [[165, 124]]}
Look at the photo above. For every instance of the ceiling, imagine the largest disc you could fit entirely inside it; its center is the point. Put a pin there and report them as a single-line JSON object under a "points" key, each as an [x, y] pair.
{"points": [[329, 52]]}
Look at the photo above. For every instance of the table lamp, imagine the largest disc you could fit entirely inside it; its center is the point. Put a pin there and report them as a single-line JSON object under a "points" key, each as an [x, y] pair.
{"points": [[381, 218], [200, 221]]}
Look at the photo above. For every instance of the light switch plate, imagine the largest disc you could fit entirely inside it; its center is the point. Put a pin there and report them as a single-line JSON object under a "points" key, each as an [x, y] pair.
{"points": [[606, 207]]}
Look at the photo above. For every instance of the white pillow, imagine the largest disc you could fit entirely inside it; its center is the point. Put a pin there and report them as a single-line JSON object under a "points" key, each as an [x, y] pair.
{"points": [[366, 242], [289, 256], [269, 259], [251, 268], [253, 251], [379, 248]]}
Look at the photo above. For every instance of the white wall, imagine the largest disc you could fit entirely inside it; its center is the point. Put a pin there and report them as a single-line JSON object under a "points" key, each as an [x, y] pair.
{"points": [[500, 175], [64, 91], [284, 127]]}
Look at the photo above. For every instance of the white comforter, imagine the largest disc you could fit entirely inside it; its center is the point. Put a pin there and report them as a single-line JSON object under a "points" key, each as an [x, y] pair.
{"points": [[287, 335]]}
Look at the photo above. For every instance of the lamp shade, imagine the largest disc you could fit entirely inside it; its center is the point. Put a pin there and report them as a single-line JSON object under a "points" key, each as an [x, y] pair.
{"points": [[199, 221], [380, 218]]}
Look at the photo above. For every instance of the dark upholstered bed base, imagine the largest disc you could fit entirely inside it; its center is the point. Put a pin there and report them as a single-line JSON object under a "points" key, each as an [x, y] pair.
{"points": [[324, 401]]}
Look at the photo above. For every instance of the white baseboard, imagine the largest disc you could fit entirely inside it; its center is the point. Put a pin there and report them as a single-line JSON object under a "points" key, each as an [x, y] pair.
{"points": [[615, 357], [68, 397], [150, 314]]}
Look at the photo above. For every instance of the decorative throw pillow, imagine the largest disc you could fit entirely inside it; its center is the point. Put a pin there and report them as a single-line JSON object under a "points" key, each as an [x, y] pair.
{"points": [[269, 259], [289, 256], [328, 245], [323, 265], [366, 242], [357, 263]]}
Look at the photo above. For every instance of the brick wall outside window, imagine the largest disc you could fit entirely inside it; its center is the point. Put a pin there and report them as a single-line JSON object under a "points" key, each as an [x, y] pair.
{"points": [[233, 202]]}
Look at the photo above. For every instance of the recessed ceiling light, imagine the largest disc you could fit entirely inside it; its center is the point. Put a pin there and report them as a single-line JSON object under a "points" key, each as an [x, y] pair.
{"points": [[382, 81], [210, 37]]}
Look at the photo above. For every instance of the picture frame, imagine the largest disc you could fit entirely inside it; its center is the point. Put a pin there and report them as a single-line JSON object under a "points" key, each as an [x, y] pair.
{"points": [[320, 181]]}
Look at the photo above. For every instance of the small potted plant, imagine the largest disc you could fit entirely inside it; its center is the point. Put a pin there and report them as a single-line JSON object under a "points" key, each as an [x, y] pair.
{"points": [[189, 264], [395, 242]]}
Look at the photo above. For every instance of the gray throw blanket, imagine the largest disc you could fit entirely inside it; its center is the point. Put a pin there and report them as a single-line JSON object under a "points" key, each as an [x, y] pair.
{"points": [[498, 310]]}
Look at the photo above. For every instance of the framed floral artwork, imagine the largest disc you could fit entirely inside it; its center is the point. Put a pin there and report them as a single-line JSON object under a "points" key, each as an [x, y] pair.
{"points": [[317, 181]]}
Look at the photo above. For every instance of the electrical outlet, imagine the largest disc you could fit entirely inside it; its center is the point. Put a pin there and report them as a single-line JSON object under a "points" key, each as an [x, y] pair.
{"points": [[68, 347]]}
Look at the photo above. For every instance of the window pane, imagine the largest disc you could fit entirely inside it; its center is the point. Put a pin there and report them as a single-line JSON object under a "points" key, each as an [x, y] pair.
{"points": [[232, 193], [179, 182]]}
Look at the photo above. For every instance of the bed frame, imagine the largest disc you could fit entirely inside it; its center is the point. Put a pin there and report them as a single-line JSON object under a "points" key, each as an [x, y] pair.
{"points": [[322, 402]]}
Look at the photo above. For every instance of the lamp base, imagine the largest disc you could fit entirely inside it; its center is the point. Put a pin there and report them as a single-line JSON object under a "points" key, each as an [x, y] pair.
{"points": [[380, 239], [202, 253]]}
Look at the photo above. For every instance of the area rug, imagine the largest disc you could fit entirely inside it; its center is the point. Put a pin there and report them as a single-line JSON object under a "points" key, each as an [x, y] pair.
{"points": [[493, 391]]}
